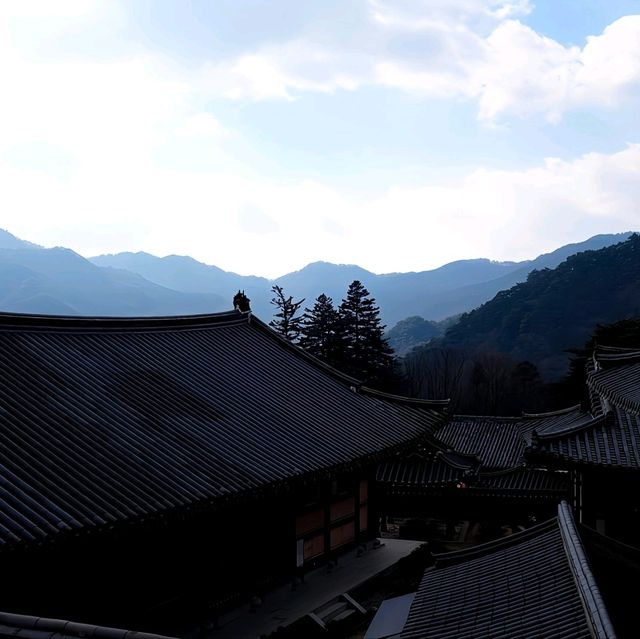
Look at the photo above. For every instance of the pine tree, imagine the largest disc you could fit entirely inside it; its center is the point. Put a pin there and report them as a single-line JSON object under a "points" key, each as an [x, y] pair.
{"points": [[285, 321], [366, 353], [320, 330]]}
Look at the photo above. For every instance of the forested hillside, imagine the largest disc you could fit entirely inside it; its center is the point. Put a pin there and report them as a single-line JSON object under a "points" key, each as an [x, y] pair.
{"points": [[555, 309]]}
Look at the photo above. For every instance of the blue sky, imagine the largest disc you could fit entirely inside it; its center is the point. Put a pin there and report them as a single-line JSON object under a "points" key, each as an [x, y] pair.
{"points": [[263, 135]]}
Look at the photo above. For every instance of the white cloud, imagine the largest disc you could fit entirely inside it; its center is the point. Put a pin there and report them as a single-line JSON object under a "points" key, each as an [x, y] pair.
{"points": [[471, 49], [79, 141], [525, 73], [436, 83], [610, 62], [200, 125], [516, 71], [42, 9], [279, 72], [415, 15], [475, 49], [490, 213], [254, 76], [109, 114], [251, 219]]}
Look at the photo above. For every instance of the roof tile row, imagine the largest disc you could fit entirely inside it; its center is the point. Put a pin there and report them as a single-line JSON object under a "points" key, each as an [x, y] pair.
{"points": [[533, 584], [109, 420]]}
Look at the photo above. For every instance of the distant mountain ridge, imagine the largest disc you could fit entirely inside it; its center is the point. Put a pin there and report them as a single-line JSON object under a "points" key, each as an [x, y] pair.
{"points": [[435, 295], [183, 273], [10, 241], [59, 281], [38, 280]]}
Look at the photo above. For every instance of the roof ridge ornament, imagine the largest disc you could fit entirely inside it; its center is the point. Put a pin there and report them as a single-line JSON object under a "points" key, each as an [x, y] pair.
{"points": [[241, 302]]}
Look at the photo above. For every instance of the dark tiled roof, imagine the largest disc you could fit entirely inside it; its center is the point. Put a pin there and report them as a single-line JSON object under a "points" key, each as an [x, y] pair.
{"points": [[25, 627], [617, 377], [615, 565], [616, 354], [534, 584], [557, 422], [523, 480], [612, 436], [490, 452], [424, 470], [497, 441], [105, 420], [609, 440]]}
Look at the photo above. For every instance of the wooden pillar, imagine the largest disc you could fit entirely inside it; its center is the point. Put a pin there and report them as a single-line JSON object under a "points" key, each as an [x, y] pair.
{"points": [[327, 495], [577, 496]]}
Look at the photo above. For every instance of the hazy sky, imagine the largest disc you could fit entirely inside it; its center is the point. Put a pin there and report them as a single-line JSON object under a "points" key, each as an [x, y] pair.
{"points": [[260, 135]]}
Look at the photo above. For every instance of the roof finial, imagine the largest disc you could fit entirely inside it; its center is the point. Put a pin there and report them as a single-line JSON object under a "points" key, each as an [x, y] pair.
{"points": [[241, 302]]}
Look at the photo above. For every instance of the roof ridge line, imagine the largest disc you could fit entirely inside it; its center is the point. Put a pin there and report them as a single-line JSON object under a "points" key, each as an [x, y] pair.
{"points": [[561, 411], [442, 456], [84, 323], [511, 418], [585, 581], [594, 384], [446, 449], [495, 545], [70, 628], [616, 350], [356, 384], [410, 401], [595, 421]]}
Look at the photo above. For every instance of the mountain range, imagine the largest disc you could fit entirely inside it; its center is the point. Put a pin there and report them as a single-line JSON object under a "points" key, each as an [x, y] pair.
{"points": [[60, 282], [57, 280], [437, 294]]}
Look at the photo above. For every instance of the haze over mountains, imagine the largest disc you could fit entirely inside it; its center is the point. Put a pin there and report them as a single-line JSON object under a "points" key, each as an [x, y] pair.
{"points": [[57, 280], [436, 294]]}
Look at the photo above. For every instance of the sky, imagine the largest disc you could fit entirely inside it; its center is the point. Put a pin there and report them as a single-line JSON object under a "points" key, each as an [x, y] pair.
{"points": [[262, 135]]}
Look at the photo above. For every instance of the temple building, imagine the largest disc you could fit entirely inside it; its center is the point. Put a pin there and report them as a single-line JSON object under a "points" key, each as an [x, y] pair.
{"points": [[474, 469], [600, 447], [518, 468], [156, 470], [155, 473]]}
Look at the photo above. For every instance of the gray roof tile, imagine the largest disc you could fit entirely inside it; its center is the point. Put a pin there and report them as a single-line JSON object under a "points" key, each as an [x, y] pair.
{"points": [[535, 584], [105, 420]]}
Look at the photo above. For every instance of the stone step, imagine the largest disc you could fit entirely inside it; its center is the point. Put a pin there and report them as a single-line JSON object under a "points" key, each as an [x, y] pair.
{"points": [[345, 614], [332, 610]]}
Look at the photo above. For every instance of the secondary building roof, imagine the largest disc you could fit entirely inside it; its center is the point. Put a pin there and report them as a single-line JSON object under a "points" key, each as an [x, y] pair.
{"points": [[616, 377], [610, 435], [104, 420], [497, 441], [536, 583], [27, 627], [429, 468], [485, 455]]}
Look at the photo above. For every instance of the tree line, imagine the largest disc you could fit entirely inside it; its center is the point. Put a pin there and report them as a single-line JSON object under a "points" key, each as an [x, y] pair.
{"points": [[349, 337]]}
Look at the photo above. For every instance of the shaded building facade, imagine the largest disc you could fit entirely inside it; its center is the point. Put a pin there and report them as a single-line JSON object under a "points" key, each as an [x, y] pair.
{"points": [[143, 458]]}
